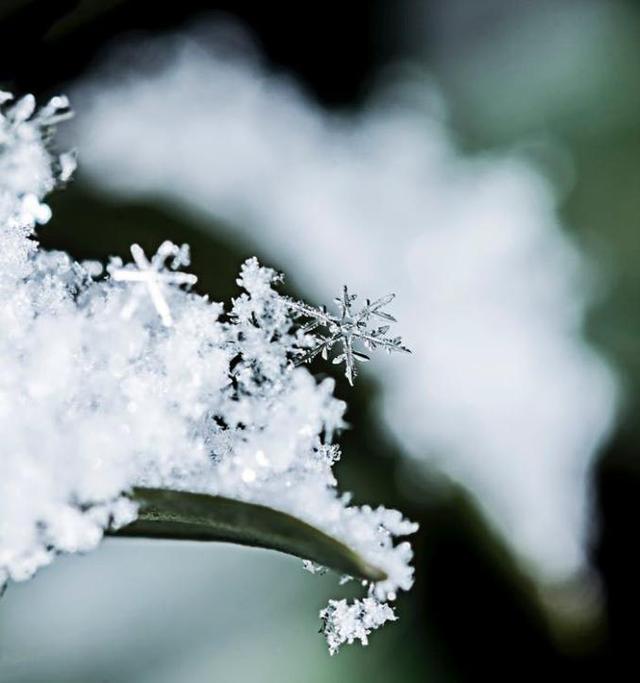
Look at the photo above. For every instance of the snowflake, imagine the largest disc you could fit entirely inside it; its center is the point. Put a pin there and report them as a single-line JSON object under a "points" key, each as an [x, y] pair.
{"points": [[154, 275], [200, 400], [346, 328]]}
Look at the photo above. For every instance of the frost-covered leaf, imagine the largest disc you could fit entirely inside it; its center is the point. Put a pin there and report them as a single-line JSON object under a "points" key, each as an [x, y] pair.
{"points": [[182, 515]]}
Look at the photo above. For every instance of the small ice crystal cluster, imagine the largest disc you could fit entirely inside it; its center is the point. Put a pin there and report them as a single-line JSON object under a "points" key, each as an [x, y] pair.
{"points": [[27, 170], [126, 377], [345, 623]]}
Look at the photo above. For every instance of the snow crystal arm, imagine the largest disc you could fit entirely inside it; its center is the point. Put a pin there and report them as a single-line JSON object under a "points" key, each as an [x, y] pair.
{"points": [[320, 315], [182, 515]]}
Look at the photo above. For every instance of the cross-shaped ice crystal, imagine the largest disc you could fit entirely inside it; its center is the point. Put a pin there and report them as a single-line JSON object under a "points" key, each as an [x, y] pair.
{"points": [[154, 275]]}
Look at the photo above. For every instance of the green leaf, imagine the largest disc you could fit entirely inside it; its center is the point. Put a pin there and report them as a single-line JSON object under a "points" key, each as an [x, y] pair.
{"points": [[200, 517]]}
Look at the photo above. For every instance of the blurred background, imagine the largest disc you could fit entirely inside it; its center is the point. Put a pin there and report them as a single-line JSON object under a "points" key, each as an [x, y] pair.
{"points": [[480, 159]]}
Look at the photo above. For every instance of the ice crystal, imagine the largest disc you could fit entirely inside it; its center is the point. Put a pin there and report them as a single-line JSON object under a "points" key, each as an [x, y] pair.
{"points": [[345, 623], [27, 170], [313, 567], [346, 329], [154, 276], [108, 383]]}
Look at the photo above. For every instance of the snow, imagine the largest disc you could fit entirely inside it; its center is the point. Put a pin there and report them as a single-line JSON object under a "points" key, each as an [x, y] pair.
{"points": [[117, 377]]}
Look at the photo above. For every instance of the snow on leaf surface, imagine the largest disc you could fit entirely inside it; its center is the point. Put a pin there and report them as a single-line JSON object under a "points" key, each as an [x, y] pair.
{"points": [[129, 402]]}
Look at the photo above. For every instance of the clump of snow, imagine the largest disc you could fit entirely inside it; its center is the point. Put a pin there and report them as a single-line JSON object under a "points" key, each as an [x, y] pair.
{"points": [[345, 623], [132, 379], [27, 173]]}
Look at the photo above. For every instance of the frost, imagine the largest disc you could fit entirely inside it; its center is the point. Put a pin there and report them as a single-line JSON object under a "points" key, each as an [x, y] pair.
{"points": [[124, 377], [345, 623]]}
